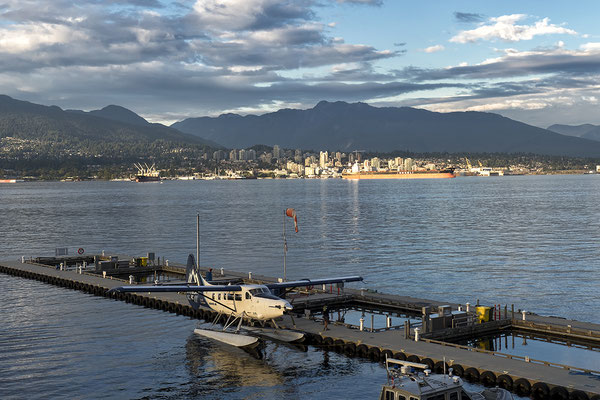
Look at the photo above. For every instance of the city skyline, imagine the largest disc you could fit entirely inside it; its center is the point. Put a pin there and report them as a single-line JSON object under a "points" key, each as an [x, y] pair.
{"points": [[536, 63]]}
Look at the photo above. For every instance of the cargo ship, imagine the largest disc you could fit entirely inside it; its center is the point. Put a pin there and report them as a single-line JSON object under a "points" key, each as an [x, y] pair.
{"points": [[432, 174], [146, 174]]}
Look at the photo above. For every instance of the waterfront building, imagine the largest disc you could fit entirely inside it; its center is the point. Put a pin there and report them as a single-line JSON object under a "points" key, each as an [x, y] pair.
{"points": [[242, 155], [251, 155], [233, 155], [408, 164], [367, 165], [298, 156], [375, 163]]}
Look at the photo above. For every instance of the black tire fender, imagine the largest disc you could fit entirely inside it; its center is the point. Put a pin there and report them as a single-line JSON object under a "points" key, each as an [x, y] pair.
{"points": [[559, 393], [522, 387], [472, 374], [540, 390], [488, 378], [457, 370], [505, 382]]}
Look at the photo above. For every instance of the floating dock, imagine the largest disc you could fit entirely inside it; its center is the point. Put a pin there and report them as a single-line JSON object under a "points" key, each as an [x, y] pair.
{"points": [[522, 375]]}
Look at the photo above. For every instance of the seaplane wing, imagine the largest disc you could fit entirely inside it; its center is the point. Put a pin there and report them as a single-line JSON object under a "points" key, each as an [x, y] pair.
{"points": [[313, 282], [178, 288]]}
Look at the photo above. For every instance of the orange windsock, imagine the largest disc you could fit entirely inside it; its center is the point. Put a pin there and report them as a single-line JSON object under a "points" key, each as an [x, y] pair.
{"points": [[290, 212]]}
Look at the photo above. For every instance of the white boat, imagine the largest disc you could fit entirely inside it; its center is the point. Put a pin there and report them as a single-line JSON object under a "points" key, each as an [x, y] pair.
{"points": [[414, 381]]}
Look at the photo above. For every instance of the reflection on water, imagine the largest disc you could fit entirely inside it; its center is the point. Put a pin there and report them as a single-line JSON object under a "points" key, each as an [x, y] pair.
{"points": [[229, 365], [540, 348]]}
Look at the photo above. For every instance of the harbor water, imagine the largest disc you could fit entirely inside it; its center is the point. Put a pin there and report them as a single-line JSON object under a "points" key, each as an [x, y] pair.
{"points": [[531, 241]]}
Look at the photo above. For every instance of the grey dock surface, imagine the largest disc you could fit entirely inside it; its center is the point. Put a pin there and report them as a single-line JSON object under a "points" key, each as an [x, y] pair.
{"points": [[353, 341]]}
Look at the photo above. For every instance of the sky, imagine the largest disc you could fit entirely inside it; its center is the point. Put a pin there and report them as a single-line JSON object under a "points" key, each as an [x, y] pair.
{"points": [[533, 61]]}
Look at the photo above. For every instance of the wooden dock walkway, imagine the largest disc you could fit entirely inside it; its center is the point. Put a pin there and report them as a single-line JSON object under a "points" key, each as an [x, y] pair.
{"points": [[542, 380]]}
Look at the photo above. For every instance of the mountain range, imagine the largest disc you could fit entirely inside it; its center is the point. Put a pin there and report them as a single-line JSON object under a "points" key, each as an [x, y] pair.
{"points": [[586, 131], [354, 126], [112, 124], [327, 126]]}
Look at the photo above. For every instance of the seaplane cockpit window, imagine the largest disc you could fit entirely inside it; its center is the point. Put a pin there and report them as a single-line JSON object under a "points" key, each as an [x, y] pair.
{"points": [[248, 297], [263, 292], [219, 296], [229, 296], [213, 296], [238, 297], [389, 395]]}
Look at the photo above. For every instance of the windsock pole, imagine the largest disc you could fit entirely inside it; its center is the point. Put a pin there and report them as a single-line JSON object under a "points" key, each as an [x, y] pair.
{"points": [[284, 248], [198, 243]]}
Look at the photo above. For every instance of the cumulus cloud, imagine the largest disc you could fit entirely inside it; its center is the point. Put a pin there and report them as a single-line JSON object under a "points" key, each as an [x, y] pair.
{"points": [[434, 49], [505, 28]]}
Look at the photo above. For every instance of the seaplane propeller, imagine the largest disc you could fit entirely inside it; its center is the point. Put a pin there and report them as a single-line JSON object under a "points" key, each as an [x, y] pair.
{"points": [[253, 302]]}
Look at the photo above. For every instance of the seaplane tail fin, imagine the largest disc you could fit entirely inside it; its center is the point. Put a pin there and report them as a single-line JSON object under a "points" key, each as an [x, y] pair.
{"points": [[191, 271]]}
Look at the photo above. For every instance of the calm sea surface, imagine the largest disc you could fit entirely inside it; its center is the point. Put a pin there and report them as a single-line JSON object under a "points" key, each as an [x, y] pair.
{"points": [[532, 241]]}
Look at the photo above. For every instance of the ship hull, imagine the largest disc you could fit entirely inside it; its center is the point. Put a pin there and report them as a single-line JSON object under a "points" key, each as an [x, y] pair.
{"points": [[141, 178], [396, 175]]}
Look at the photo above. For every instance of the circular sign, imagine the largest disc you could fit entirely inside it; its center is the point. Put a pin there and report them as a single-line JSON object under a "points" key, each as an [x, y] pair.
{"points": [[80, 251]]}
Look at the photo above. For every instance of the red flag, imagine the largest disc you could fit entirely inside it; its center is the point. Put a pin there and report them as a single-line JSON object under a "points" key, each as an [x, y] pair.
{"points": [[290, 212]]}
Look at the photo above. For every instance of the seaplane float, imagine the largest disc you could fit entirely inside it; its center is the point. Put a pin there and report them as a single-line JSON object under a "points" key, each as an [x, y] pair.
{"points": [[253, 303]]}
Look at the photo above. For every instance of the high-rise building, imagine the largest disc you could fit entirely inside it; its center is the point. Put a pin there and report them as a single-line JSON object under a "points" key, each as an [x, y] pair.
{"points": [[298, 156], [399, 163], [233, 155], [276, 152], [219, 155], [408, 164], [242, 155], [323, 159], [251, 155], [338, 156]]}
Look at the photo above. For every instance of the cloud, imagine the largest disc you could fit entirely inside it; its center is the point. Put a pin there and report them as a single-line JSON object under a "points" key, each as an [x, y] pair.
{"points": [[505, 28], [198, 58], [434, 49], [513, 63], [235, 15], [467, 17], [366, 2]]}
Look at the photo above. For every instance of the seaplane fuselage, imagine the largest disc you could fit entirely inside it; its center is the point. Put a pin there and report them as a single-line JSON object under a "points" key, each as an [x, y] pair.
{"points": [[252, 301]]}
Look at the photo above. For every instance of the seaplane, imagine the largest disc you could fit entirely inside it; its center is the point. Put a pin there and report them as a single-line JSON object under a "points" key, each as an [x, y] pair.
{"points": [[250, 302]]}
